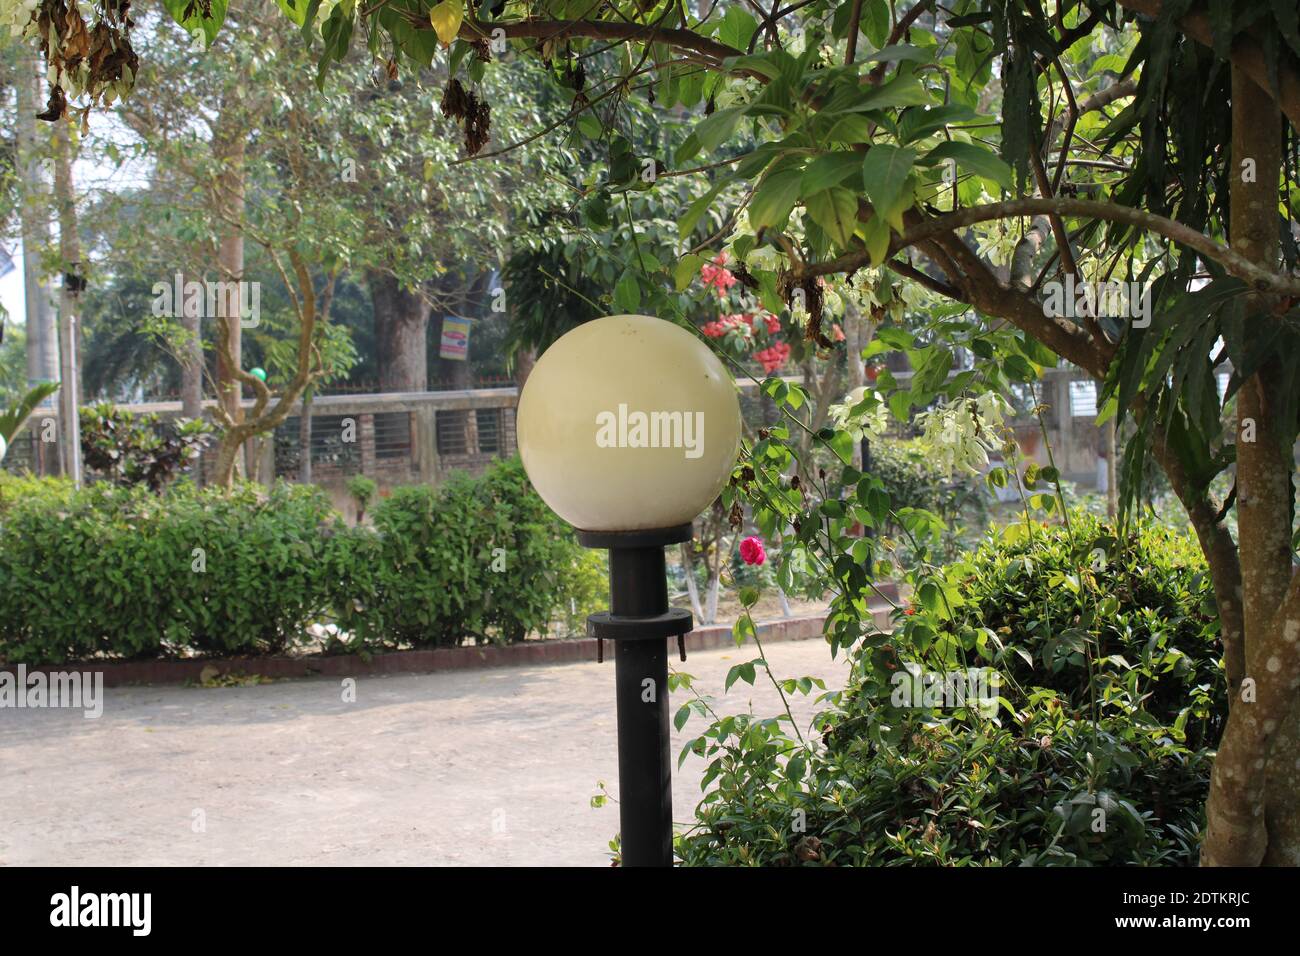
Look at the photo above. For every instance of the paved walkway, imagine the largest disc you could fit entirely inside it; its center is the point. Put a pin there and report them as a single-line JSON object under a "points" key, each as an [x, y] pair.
{"points": [[491, 768]]}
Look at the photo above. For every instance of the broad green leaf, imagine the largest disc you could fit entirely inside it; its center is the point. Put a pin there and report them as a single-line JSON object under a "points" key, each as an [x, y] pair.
{"points": [[884, 174], [875, 21], [210, 26], [920, 121], [697, 209], [774, 199], [737, 27], [829, 170], [875, 234], [627, 294], [687, 268], [851, 129], [836, 211], [975, 159]]}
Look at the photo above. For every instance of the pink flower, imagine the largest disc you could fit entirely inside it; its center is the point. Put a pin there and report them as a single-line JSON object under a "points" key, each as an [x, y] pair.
{"points": [[773, 324], [716, 276], [773, 357], [751, 551]]}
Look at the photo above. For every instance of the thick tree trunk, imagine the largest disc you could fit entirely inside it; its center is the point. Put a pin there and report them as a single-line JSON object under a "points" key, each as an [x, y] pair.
{"points": [[525, 359], [227, 198], [401, 335], [1239, 830]]}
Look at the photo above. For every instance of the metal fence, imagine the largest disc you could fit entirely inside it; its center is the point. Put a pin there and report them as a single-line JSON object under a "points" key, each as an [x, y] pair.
{"points": [[407, 437]]}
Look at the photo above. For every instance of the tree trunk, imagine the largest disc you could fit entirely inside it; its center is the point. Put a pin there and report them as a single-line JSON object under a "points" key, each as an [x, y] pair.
{"points": [[69, 302], [1247, 809], [692, 589], [191, 361], [42, 334], [227, 198], [401, 335], [304, 438], [525, 359]]}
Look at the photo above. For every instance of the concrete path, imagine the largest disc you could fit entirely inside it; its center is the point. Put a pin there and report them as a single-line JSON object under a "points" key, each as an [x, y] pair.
{"points": [[488, 768]]}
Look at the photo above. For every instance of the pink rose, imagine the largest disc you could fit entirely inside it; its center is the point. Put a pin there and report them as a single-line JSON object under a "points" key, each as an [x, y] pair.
{"points": [[751, 551]]}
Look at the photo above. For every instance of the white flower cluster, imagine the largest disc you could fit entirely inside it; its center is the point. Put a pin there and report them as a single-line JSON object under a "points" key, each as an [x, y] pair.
{"points": [[959, 435], [16, 16], [870, 422]]}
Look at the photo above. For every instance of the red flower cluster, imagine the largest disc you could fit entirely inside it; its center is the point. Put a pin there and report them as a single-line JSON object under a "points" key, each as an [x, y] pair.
{"points": [[773, 324], [751, 551], [716, 276], [725, 323], [773, 357]]}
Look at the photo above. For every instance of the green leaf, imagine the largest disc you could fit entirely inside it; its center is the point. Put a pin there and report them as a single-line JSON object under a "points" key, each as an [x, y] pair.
{"points": [[627, 294], [697, 209], [829, 170], [716, 128], [687, 268], [737, 27], [836, 211], [884, 174], [295, 10], [875, 234], [209, 25], [852, 129], [975, 159], [920, 121], [897, 53], [875, 21], [774, 198]]}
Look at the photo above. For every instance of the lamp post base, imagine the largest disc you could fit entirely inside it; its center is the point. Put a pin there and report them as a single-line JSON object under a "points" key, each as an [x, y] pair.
{"points": [[640, 623]]}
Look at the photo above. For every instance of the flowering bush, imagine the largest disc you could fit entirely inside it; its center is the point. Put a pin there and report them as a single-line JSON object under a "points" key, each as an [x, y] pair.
{"points": [[1096, 749], [753, 334], [959, 435]]}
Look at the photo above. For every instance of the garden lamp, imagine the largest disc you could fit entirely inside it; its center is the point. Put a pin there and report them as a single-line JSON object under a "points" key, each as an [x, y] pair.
{"points": [[629, 427]]}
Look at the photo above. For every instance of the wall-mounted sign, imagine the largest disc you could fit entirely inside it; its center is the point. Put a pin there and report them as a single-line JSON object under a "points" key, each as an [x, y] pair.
{"points": [[455, 338]]}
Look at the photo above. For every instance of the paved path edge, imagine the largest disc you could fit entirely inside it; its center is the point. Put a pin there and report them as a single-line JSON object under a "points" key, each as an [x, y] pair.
{"points": [[126, 673]]}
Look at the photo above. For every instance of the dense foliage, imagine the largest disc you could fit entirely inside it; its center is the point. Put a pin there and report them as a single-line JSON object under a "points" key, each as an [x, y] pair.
{"points": [[131, 449], [1096, 749], [122, 572], [449, 563]]}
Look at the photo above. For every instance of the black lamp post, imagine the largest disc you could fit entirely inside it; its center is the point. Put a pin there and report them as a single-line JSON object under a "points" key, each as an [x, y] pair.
{"points": [[640, 623], [628, 427]]}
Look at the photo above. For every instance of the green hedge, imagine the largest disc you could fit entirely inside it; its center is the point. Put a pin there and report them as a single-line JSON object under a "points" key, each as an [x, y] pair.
{"points": [[124, 573], [1073, 619]]}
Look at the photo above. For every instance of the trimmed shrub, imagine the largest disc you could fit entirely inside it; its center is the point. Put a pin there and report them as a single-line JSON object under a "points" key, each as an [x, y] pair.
{"points": [[1129, 635], [477, 557], [120, 572], [127, 573]]}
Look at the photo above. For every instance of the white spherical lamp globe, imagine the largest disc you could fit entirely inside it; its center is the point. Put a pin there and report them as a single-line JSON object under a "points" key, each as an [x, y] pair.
{"points": [[628, 423]]}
